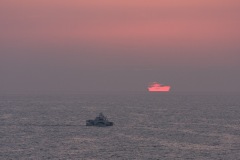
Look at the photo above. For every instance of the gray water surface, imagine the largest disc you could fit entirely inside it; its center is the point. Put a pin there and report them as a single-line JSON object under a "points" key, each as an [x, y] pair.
{"points": [[147, 126]]}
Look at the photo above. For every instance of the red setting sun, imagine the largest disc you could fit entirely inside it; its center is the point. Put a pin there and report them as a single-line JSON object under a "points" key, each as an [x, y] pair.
{"points": [[157, 87]]}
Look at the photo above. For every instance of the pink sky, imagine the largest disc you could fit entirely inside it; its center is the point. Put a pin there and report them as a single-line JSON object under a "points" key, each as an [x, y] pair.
{"points": [[115, 22], [136, 34]]}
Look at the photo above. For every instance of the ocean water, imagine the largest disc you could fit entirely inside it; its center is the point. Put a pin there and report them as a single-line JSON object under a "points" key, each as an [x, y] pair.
{"points": [[146, 126]]}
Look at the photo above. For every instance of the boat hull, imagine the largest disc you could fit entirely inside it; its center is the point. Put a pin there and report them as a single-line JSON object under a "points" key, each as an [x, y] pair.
{"points": [[98, 123]]}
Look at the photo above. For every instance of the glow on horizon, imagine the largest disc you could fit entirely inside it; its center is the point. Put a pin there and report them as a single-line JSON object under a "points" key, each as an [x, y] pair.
{"points": [[157, 87], [119, 45]]}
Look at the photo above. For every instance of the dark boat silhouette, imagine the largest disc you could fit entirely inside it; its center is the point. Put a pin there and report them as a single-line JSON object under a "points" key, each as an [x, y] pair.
{"points": [[100, 121]]}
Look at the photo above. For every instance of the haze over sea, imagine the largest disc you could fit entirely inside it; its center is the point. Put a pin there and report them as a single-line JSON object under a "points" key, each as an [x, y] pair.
{"points": [[146, 126]]}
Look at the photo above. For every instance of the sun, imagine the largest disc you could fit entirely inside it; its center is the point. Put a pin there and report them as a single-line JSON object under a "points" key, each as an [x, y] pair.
{"points": [[157, 87]]}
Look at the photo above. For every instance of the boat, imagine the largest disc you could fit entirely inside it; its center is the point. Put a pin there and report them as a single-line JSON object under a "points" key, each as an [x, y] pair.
{"points": [[100, 121]]}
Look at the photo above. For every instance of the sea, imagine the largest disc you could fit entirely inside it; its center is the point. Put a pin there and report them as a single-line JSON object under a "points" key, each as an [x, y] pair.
{"points": [[147, 126]]}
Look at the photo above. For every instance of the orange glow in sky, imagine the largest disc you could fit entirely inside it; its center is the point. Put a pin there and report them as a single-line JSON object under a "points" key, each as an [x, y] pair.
{"points": [[94, 45], [157, 87], [117, 22]]}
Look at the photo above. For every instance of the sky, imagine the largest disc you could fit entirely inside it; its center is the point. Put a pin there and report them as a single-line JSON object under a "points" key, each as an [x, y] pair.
{"points": [[79, 45]]}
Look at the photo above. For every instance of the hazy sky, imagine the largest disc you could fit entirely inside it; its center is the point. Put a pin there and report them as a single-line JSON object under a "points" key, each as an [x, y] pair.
{"points": [[119, 45]]}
